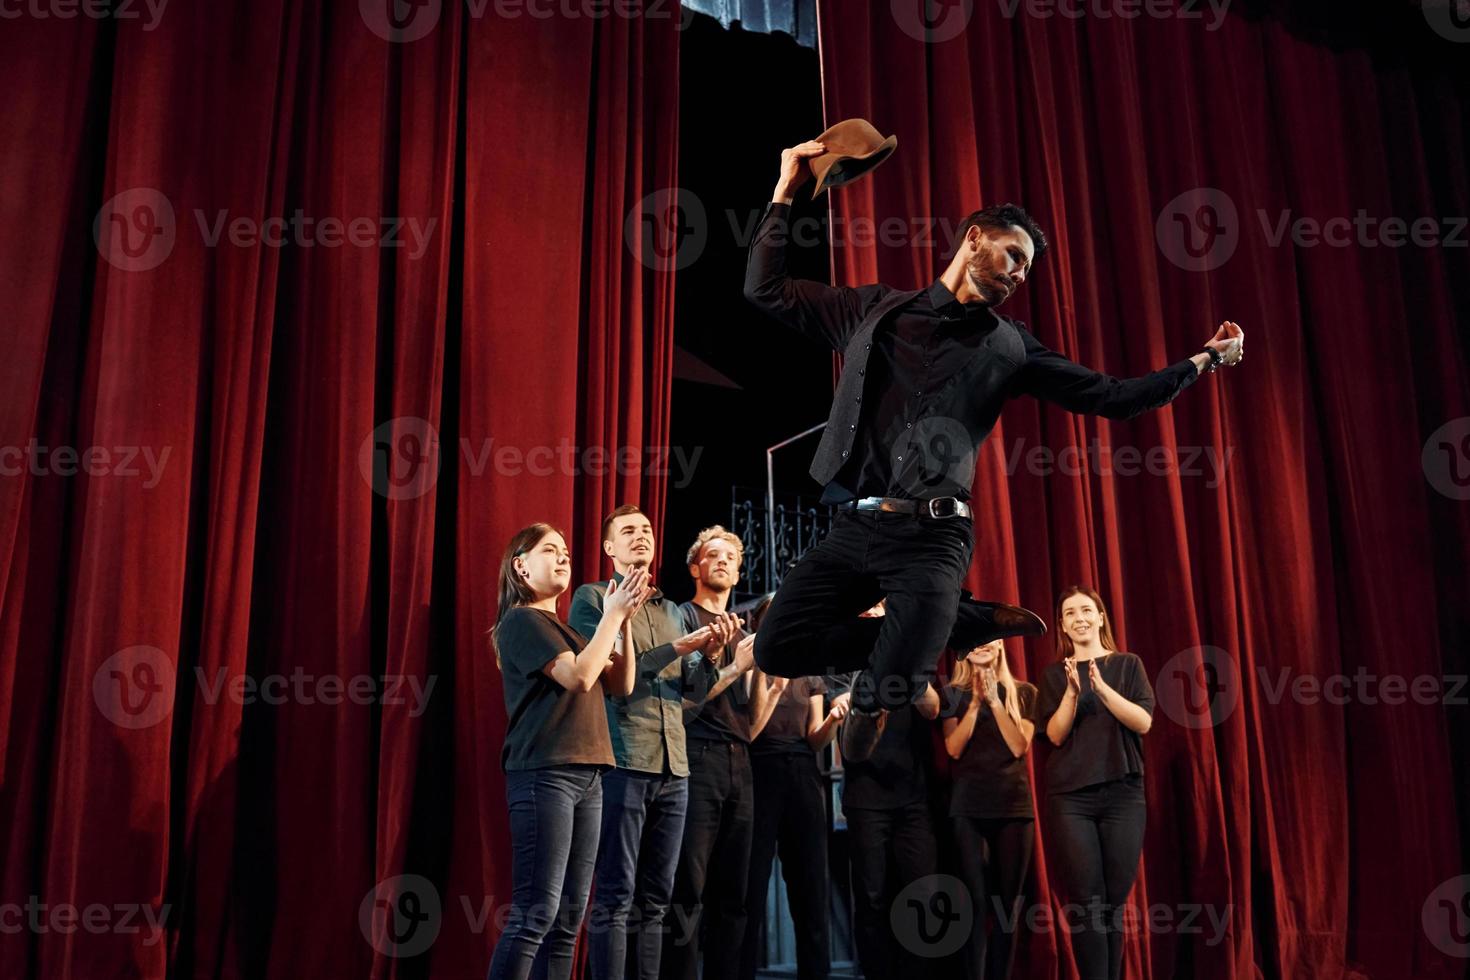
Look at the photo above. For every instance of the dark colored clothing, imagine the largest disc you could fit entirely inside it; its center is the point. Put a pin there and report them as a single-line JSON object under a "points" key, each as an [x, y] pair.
{"points": [[1099, 748], [785, 731], [1094, 837], [647, 726], [549, 725], [903, 448], [901, 840], [812, 626], [896, 774], [960, 397], [554, 817], [714, 865], [989, 780], [642, 831], [790, 820], [726, 716], [994, 857]]}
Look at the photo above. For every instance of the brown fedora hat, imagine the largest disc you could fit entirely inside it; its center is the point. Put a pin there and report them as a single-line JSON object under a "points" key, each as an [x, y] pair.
{"points": [[854, 147]]}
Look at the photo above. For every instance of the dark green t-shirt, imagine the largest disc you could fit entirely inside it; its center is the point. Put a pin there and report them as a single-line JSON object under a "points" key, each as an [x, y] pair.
{"points": [[548, 724]]}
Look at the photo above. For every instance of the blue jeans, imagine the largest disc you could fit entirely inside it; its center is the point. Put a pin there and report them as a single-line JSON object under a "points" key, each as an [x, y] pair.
{"points": [[642, 829], [555, 815]]}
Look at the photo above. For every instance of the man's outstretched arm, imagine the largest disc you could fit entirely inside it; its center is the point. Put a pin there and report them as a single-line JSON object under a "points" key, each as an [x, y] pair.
{"points": [[828, 314], [1050, 376]]}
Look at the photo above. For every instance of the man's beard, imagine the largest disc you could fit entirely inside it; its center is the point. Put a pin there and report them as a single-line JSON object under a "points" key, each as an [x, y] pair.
{"points": [[990, 295]]}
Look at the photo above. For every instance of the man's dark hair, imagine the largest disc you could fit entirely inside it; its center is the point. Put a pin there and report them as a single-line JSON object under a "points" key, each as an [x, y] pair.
{"points": [[623, 511], [1002, 216]]}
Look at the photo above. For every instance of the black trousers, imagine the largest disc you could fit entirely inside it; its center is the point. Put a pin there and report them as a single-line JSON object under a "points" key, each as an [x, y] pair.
{"points": [[918, 564], [994, 857], [1094, 837], [790, 819], [708, 914], [891, 849]]}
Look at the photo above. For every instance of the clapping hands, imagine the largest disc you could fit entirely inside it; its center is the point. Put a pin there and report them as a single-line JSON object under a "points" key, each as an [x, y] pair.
{"points": [[627, 597]]}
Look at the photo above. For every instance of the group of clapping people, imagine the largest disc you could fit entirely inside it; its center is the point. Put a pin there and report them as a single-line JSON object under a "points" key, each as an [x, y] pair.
{"points": [[654, 772]]}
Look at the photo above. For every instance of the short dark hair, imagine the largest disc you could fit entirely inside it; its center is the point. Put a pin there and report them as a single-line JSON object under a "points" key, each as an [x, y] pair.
{"points": [[1003, 216], [623, 511]]}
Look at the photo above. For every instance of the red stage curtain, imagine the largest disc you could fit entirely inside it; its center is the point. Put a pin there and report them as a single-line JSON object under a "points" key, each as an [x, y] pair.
{"points": [[514, 317], [1324, 550]]}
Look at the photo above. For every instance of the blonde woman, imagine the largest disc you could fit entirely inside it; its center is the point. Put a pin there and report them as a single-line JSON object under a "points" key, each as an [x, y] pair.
{"points": [[988, 735]]}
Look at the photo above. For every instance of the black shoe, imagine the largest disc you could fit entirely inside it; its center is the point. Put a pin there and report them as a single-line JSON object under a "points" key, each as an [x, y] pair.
{"points": [[978, 622], [861, 732]]}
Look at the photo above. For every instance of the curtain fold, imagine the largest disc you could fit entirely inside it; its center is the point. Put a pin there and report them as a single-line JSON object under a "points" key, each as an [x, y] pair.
{"points": [[1289, 524], [328, 280]]}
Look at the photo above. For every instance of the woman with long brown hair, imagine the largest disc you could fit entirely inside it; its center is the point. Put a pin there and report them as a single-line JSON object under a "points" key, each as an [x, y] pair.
{"points": [[556, 744], [1096, 706], [988, 734]]}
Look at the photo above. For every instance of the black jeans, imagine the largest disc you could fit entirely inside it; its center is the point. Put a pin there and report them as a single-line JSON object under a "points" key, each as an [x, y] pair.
{"points": [[554, 818], [1094, 837], [642, 829], [918, 564], [709, 886], [891, 849], [790, 818], [994, 857]]}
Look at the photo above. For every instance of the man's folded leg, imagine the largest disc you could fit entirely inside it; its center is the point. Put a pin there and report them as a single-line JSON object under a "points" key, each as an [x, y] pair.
{"points": [[812, 626]]}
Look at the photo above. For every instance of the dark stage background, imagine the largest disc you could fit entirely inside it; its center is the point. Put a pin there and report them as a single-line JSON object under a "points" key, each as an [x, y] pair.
{"points": [[325, 501]]}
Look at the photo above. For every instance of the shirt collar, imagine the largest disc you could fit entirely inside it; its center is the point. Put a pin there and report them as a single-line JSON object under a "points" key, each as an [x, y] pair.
{"points": [[945, 301]]}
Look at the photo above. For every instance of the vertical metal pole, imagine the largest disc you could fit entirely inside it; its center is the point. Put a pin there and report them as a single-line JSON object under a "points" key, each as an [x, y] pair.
{"points": [[771, 501]]}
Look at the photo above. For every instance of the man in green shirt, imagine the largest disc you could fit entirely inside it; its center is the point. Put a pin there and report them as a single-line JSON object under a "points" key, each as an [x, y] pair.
{"points": [[645, 799]]}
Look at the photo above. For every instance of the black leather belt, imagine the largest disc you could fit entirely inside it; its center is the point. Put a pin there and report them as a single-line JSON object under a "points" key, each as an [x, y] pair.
{"points": [[938, 507]]}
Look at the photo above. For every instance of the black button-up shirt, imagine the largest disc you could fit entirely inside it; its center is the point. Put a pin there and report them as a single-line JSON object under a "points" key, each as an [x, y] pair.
{"points": [[904, 448], [919, 392]]}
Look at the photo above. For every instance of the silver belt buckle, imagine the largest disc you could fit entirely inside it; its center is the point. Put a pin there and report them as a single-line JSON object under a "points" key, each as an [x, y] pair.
{"points": [[953, 508]]}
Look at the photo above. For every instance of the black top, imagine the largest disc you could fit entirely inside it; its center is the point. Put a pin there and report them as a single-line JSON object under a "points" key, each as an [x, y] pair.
{"points": [[977, 361], [785, 732], [928, 457], [989, 780], [895, 775], [548, 724], [1099, 749], [726, 716]]}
